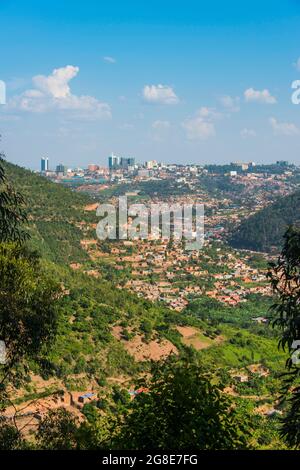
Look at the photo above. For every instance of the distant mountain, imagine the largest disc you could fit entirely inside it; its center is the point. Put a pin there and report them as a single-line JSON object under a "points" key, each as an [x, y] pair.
{"points": [[263, 231]]}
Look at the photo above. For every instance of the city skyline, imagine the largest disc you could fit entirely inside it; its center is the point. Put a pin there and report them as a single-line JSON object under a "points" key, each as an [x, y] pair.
{"points": [[118, 163], [210, 84]]}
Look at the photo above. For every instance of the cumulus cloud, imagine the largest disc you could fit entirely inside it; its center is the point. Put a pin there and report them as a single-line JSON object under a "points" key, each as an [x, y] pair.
{"points": [[109, 59], [201, 127], [284, 128], [160, 94], [247, 132], [209, 113], [263, 96], [56, 84], [53, 92], [230, 103]]}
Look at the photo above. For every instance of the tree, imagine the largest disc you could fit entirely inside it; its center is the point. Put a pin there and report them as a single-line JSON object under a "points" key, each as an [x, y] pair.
{"points": [[28, 306], [57, 430], [28, 303], [61, 430], [181, 408], [28, 296], [10, 438], [12, 213], [98, 430], [285, 280]]}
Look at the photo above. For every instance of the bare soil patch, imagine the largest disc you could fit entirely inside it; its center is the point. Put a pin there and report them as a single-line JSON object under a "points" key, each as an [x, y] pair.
{"points": [[192, 336], [91, 207]]}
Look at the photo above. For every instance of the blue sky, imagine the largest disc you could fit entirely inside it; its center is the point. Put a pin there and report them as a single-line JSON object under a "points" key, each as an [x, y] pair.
{"points": [[192, 81]]}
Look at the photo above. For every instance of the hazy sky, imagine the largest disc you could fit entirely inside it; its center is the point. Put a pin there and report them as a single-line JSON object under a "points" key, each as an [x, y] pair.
{"points": [[176, 81]]}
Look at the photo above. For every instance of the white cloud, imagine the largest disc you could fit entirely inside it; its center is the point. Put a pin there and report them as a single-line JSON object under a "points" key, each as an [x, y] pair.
{"points": [[297, 64], [248, 132], [284, 128], [263, 96], [56, 84], [209, 113], [230, 103], [109, 59], [53, 92], [199, 129], [160, 94], [202, 126]]}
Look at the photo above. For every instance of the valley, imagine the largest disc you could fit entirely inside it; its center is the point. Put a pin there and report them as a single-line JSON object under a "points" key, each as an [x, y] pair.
{"points": [[127, 303]]}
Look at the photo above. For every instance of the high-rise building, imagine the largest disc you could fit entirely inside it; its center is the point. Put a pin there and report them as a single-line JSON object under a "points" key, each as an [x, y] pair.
{"points": [[113, 162], [117, 163], [131, 161], [44, 164], [61, 169], [126, 162]]}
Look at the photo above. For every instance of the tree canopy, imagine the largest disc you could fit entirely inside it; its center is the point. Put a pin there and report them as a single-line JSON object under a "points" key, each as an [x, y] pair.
{"points": [[285, 279], [182, 408]]}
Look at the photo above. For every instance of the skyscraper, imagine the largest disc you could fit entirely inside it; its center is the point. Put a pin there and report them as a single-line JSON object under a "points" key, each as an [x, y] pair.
{"points": [[130, 161], [126, 162], [44, 164], [113, 162], [116, 163], [61, 169]]}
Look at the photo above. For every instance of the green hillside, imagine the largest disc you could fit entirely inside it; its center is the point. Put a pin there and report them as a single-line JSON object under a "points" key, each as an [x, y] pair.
{"points": [[54, 214], [57, 222], [264, 230]]}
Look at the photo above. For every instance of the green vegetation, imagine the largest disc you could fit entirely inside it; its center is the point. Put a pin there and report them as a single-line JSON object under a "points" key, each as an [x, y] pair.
{"points": [[243, 314], [148, 189], [88, 307], [180, 408], [58, 323], [284, 276], [54, 215], [183, 410], [264, 230], [12, 212]]}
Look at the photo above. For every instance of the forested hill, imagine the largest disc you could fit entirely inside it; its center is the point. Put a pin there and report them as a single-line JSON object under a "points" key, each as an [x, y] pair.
{"points": [[264, 230], [56, 215]]}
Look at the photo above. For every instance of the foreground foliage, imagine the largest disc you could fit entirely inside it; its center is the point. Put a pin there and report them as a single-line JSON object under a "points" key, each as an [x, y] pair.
{"points": [[285, 279]]}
